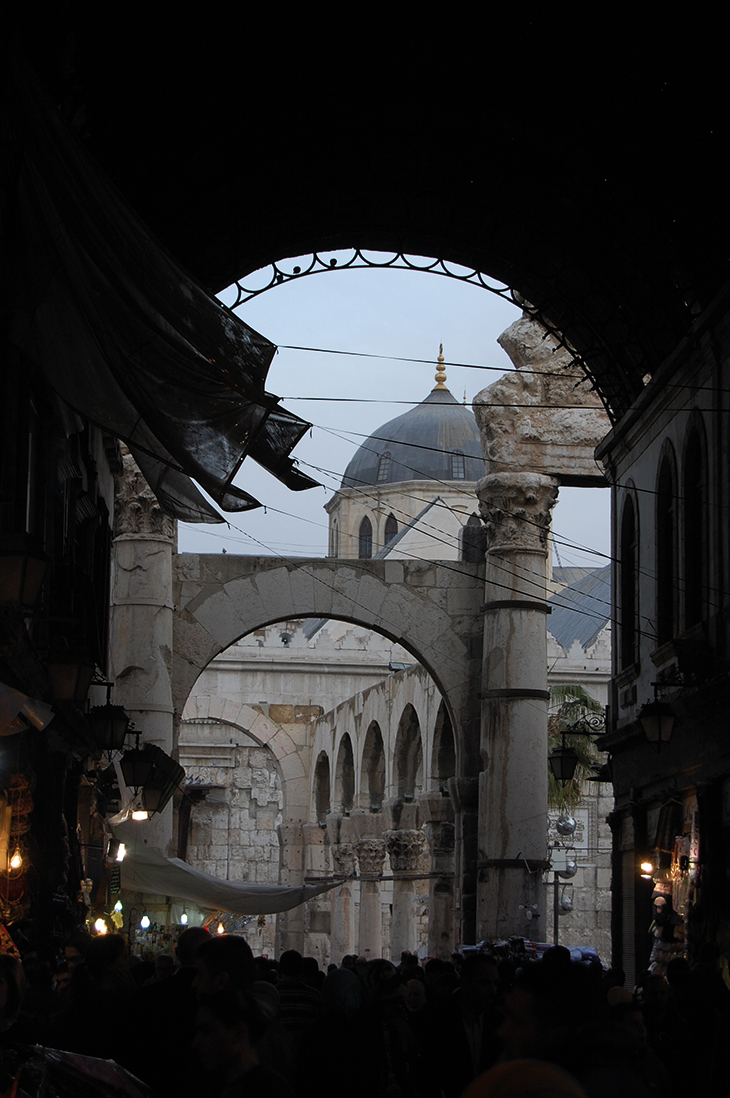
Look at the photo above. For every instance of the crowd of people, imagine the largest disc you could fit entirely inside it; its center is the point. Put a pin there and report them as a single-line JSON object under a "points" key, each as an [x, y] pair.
{"points": [[216, 1021]]}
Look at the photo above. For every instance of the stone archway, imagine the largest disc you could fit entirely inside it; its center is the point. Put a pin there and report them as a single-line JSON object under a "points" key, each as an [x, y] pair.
{"points": [[432, 609]]}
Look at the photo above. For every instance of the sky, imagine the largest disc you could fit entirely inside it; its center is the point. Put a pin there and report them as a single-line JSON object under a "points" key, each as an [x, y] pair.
{"points": [[389, 314]]}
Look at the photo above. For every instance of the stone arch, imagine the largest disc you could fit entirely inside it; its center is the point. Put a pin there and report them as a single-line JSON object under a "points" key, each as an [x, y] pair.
{"points": [[372, 770], [230, 776], [427, 607], [443, 755], [322, 802], [259, 727], [408, 756], [345, 776]]}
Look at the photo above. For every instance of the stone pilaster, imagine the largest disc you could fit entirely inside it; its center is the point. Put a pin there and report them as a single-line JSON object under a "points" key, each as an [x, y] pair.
{"points": [[513, 785], [439, 815], [370, 857], [141, 623], [343, 905], [405, 849]]}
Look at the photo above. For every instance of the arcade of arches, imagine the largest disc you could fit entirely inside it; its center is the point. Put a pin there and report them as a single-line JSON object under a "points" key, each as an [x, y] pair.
{"points": [[441, 782]]}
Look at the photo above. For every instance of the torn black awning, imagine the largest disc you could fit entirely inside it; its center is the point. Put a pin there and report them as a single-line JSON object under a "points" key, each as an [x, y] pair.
{"points": [[124, 335]]}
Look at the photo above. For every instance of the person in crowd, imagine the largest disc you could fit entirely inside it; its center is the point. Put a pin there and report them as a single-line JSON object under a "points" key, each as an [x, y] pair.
{"points": [[525, 1079], [459, 1035], [163, 1023], [228, 1025], [104, 994], [223, 963], [75, 950], [300, 1003], [333, 1042]]}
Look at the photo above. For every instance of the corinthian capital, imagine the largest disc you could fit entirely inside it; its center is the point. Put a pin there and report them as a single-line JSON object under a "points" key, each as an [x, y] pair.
{"points": [[343, 857], [516, 510], [136, 510], [405, 849], [371, 855]]}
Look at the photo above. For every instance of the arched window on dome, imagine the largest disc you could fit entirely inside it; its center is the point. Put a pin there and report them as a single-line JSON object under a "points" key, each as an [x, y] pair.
{"points": [[335, 539], [391, 528], [458, 465], [383, 467], [365, 539]]}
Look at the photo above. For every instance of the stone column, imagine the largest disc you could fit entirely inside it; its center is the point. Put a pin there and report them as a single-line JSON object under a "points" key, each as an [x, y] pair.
{"points": [[296, 841], [141, 625], [343, 907], [405, 849], [438, 812], [513, 785], [370, 856]]}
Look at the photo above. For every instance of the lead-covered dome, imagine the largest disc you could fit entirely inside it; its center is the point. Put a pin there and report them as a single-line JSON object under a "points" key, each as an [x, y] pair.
{"points": [[437, 440]]}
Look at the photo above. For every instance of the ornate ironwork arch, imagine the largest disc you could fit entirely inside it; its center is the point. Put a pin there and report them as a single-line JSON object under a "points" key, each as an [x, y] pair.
{"points": [[282, 271]]}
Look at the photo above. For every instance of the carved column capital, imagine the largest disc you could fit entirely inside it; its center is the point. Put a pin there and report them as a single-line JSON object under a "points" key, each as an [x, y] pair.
{"points": [[405, 849], [370, 856], [516, 510], [343, 858], [136, 510]]}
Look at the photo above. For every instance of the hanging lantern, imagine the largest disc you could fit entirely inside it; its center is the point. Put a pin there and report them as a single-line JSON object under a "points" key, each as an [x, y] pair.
{"points": [[562, 761], [657, 721], [565, 825], [70, 674], [109, 726], [136, 767]]}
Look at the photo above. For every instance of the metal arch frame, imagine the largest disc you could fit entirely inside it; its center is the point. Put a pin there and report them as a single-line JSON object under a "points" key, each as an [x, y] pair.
{"points": [[359, 260]]}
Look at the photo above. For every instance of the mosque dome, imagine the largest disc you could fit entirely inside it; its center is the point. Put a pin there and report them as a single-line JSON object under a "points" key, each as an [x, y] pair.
{"points": [[437, 440]]}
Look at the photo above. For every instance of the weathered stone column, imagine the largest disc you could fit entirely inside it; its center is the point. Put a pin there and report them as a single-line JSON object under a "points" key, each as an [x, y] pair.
{"points": [[513, 785], [343, 907], [438, 812], [141, 625], [405, 849], [296, 841], [370, 856]]}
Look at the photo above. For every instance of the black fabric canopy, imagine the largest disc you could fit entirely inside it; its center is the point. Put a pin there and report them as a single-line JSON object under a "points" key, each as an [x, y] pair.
{"points": [[124, 335]]}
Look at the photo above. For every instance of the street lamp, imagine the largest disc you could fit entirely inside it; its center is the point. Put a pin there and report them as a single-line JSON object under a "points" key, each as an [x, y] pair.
{"points": [[657, 721], [563, 760]]}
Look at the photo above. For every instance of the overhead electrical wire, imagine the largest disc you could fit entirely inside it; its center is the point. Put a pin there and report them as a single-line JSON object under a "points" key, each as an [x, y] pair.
{"points": [[480, 366]]}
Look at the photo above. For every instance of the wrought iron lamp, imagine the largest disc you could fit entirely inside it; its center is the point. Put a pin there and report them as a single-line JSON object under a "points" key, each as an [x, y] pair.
{"points": [[563, 760], [657, 721]]}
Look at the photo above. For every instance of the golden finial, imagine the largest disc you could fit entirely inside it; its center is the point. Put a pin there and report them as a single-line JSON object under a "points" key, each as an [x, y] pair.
{"points": [[440, 372]]}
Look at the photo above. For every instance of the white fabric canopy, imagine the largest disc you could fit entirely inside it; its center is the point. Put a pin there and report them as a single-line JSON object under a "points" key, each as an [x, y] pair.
{"points": [[144, 870]]}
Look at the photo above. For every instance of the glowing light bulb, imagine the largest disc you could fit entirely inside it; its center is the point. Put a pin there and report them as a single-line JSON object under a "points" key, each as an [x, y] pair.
{"points": [[144, 922], [184, 919], [221, 928], [121, 852], [16, 861], [140, 814], [100, 926], [647, 870], [118, 906]]}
